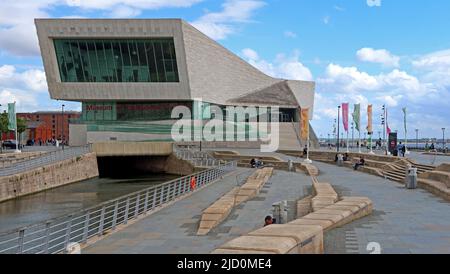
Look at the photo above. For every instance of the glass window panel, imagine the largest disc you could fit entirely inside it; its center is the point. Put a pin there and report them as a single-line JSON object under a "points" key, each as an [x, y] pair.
{"points": [[110, 62], [116, 60], [73, 47], [143, 68], [159, 61], [82, 50], [61, 60], [149, 49]]}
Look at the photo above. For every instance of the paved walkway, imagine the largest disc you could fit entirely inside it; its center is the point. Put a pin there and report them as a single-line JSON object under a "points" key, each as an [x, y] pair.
{"points": [[403, 221], [173, 229]]}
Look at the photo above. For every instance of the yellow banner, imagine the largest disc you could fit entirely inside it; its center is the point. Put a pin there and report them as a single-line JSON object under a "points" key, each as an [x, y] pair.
{"points": [[369, 119], [304, 123]]}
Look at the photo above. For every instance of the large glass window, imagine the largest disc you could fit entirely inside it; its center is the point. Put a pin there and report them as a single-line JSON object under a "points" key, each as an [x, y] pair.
{"points": [[116, 60]]}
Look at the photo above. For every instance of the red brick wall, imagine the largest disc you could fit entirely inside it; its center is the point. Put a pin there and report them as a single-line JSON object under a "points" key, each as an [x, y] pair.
{"points": [[51, 124]]}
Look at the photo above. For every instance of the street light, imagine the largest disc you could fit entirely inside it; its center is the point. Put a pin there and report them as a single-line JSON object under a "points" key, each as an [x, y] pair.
{"points": [[443, 139], [353, 143], [62, 126], [338, 121], [417, 139]]}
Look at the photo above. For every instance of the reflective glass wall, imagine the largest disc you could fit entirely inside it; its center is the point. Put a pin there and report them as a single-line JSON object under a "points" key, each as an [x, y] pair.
{"points": [[117, 60]]}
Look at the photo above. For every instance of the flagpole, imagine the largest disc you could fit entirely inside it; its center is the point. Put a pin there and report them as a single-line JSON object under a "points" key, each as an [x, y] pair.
{"points": [[347, 142], [359, 141], [17, 139]]}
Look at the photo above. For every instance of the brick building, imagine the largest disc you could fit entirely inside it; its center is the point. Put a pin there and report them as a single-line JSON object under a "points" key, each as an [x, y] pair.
{"points": [[45, 125]]}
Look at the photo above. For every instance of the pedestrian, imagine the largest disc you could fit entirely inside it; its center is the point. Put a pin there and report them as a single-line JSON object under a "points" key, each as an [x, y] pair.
{"points": [[403, 150], [305, 151], [268, 221], [361, 162]]}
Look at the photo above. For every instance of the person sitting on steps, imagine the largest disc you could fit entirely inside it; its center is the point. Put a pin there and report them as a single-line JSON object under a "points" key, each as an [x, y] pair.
{"points": [[361, 162]]}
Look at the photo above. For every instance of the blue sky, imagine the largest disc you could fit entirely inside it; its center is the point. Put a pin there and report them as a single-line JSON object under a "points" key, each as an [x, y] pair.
{"points": [[393, 52]]}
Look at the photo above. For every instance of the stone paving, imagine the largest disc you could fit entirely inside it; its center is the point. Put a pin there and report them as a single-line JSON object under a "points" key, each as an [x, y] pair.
{"points": [[403, 221], [173, 229]]}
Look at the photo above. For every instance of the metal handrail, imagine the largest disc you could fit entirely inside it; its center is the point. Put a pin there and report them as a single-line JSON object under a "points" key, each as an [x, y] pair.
{"points": [[46, 159], [54, 235]]}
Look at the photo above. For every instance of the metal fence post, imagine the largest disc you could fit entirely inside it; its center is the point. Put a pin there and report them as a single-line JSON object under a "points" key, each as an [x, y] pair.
{"points": [[154, 198], [136, 209], [86, 227], [161, 199], [47, 236], [114, 220], [68, 231], [146, 202], [127, 207], [102, 221], [21, 236]]}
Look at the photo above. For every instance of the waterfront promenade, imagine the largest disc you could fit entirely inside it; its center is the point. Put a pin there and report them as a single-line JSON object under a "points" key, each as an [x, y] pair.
{"points": [[403, 221]]}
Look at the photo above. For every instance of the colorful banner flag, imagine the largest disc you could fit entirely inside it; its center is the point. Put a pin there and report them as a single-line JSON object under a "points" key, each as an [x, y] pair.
{"points": [[369, 119], [345, 116], [304, 123], [12, 122], [404, 120], [357, 116]]}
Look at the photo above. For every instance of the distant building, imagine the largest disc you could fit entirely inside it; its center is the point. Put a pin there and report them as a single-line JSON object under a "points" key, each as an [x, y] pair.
{"points": [[130, 73], [46, 125]]}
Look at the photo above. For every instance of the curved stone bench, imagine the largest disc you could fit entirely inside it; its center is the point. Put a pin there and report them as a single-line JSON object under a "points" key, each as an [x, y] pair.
{"points": [[324, 196], [221, 209], [338, 214], [277, 239]]}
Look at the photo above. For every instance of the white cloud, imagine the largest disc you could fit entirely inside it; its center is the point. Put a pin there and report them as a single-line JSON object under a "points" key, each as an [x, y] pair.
{"points": [[250, 54], [435, 68], [32, 79], [326, 20], [380, 56], [218, 25], [23, 99], [339, 8], [122, 11], [18, 33], [374, 3], [290, 34], [285, 67]]}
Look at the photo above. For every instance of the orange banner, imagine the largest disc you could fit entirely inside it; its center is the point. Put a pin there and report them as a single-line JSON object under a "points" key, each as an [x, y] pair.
{"points": [[304, 124], [369, 119]]}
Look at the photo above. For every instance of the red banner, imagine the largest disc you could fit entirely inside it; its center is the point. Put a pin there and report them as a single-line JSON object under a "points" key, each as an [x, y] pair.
{"points": [[345, 116], [304, 123]]}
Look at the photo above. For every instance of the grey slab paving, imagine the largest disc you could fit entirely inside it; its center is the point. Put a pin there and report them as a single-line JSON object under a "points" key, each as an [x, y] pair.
{"points": [[403, 221], [173, 229]]}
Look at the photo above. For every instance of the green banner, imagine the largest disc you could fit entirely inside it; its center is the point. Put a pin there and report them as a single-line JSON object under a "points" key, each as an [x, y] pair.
{"points": [[12, 123], [357, 116]]}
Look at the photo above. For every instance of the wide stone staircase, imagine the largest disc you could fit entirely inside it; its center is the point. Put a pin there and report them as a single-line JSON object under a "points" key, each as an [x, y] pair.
{"points": [[396, 171]]}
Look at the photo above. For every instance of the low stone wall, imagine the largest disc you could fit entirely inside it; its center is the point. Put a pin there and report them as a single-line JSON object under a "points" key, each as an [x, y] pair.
{"points": [[7, 159], [277, 239], [324, 196], [304, 235], [219, 210], [54, 175]]}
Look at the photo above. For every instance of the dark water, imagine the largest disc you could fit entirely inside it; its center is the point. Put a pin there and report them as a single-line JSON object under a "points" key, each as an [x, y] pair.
{"points": [[59, 201]]}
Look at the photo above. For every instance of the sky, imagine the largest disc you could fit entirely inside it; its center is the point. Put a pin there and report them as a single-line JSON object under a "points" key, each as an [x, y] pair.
{"points": [[392, 52]]}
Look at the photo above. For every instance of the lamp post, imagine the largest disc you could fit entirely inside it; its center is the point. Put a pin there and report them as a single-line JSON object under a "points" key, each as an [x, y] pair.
{"points": [[352, 135], [62, 126], [338, 128], [417, 139], [443, 139]]}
